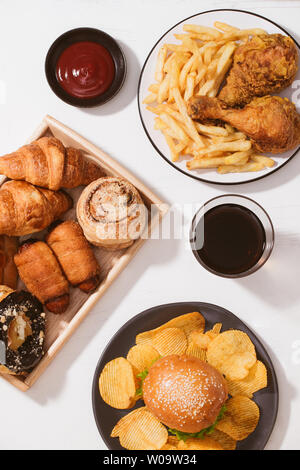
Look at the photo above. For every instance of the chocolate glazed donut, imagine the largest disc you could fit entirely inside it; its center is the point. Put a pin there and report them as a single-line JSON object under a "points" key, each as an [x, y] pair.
{"points": [[111, 213], [22, 329], [42, 275]]}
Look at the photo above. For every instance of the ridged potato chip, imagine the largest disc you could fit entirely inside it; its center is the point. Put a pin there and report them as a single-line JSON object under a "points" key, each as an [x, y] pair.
{"points": [[232, 353], [223, 439], [187, 322], [207, 443], [240, 419], [216, 328], [170, 341], [255, 380], [201, 339], [123, 424], [170, 445], [194, 350], [117, 384], [142, 356], [140, 430]]}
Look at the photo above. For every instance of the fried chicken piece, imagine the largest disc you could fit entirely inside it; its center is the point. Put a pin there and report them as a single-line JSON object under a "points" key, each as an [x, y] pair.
{"points": [[271, 122], [264, 65]]}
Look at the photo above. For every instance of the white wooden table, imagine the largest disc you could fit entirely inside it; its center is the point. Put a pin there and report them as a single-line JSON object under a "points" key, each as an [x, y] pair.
{"points": [[57, 413]]}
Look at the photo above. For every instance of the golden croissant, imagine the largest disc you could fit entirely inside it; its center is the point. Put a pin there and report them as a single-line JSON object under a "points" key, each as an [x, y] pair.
{"points": [[47, 163], [26, 209]]}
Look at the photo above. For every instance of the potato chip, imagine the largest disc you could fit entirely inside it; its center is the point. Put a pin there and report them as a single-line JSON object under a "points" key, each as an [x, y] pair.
{"points": [[141, 357], [207, 443], [124, 423], [171, 443], [201, 339], [240, 419], [223, 439], [117, 384], [168, 447], [232, 353], [170, 341], [194, 350], [255, 380], [213, 333], [140, 430], [216, 328], [187, 323]]}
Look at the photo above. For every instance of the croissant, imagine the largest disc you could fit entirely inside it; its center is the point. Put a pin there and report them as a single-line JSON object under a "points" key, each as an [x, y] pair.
{"points": [[111, 213], [42, 275], [26, 209], [75, 255], [8, 270], [47, 163]]}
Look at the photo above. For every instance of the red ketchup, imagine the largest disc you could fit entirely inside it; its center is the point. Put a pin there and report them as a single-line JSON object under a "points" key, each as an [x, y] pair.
{"points": [[85, 69]]}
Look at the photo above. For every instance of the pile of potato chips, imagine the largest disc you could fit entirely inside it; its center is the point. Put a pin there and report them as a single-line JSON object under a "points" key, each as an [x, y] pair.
{"points": [[231, 352], [198, 66]]}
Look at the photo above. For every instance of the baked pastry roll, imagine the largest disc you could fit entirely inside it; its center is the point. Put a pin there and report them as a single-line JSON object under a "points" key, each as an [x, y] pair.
{"points": [[47, 163], [26, 209], [111, 213], [75, 255], [40, 271], [8, 270]]}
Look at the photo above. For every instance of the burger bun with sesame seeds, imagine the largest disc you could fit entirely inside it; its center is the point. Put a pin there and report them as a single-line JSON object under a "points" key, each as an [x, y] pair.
{"points": [[184, 393]]}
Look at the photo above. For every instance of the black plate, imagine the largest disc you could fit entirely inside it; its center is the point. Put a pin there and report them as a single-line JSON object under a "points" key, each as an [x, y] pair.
{"points": [[93, 35], [267, 399], [250, 180]]}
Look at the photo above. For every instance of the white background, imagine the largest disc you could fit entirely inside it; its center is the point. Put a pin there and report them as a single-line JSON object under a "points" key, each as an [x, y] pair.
{"points": [[57, 412]]}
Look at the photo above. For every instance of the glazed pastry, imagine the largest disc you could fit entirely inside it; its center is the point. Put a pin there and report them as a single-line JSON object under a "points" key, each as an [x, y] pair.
{"points": [[26, 209], [111, 213], [5, 291], [75, 255], [22, 329], [8, 270], [47, 163], [39, 270]]}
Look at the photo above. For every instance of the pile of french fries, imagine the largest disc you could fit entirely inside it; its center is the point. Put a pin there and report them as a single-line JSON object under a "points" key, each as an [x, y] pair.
{"points": [[198, 66]]}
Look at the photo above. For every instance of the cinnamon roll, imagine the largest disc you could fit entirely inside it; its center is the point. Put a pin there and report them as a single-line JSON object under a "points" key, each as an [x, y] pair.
{"points": [[111, 213]]}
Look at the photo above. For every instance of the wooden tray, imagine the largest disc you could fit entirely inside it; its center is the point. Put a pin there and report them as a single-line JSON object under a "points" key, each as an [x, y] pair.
{"points": [[60, 327]]}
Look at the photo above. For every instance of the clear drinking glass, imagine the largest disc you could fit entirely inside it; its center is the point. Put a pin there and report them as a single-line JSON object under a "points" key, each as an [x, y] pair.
{"points": [[247, 203]]}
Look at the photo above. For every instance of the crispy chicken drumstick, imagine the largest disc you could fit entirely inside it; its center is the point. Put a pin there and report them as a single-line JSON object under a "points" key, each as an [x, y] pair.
{"points": [[264, 65], [271, 122]]}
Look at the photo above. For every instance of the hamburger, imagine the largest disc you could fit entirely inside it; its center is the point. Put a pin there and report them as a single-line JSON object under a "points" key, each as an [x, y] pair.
{"points": [[184, 393]]}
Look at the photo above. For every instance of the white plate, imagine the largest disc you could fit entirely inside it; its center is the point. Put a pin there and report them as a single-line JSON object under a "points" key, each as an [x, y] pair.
{"points": [[243, 20]]}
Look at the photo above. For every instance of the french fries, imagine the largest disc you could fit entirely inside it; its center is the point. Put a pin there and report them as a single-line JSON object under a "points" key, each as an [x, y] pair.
{"points": [[159, 74], [189, 123], [197, 66], [211, 32], [235, 159]]}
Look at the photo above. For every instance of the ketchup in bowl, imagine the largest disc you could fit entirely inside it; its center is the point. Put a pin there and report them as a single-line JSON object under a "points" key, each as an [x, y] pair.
{"points": [[85, 69]]}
